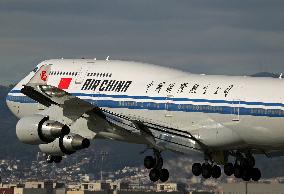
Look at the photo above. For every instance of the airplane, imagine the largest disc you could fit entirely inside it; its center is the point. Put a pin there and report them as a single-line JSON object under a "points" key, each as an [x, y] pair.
{"points": [[64, 104]]}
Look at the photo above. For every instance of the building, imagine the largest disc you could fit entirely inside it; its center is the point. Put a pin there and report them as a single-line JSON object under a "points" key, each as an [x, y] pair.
{"points": [[86, 177], [87, 192], [95, 186], [38, 185], [7, 190], [73, 187], [31, 191], [168, 187], [253, 188]]}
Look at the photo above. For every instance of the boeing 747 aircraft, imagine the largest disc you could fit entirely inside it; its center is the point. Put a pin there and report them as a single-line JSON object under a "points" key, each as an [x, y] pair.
{"points": [[63, 104]]}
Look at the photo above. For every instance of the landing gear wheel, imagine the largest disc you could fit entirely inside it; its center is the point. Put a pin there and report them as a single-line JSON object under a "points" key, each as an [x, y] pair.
{"points": [[216, 171], [154, 175], [57, 159], [149, 162], [159, 163], [206, 171], [246, 174], [255, 174], [229, 169], [164, 175], [238, 171], [196, 169]]}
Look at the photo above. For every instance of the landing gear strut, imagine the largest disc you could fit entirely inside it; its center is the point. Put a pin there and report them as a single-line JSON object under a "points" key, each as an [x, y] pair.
{"points": [[155, 163]]}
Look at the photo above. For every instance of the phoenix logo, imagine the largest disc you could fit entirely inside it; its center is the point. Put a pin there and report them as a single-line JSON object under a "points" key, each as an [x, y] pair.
{"points": [[43, 76]]}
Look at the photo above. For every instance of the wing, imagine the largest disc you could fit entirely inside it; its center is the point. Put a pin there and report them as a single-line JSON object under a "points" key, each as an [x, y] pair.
{"points": [[126, 128]]}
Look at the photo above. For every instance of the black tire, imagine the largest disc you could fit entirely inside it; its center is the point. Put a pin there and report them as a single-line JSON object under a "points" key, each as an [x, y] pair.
{"points": [[238, 171], [149, 162], [229, 169], [57, 159], [246, 174], [255, 174], [164, 175], [206, 171], [196, 169], [244, 162], [154, 175], [216, 171]]}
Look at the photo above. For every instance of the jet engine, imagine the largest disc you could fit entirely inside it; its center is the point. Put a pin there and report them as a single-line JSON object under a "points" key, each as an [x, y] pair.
{"points": [[38, 129], [65, 145]]}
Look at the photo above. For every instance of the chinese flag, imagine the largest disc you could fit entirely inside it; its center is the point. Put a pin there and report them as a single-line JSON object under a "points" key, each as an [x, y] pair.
{"points": [[64, 83]]}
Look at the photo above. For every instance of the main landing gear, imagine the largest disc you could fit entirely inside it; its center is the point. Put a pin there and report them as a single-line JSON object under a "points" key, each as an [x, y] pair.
{"points": [[206, 170], [155, 163], [244, 168]]}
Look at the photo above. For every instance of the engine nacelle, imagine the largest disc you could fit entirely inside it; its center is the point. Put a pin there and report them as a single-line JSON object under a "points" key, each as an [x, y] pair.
{"points": [[38, 129], [66, 145]]}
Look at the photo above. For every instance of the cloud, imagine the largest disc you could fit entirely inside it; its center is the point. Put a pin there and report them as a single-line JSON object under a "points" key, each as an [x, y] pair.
{"points": [[213, 37]]}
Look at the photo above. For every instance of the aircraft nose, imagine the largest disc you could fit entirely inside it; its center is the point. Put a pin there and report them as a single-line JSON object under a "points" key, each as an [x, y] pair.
{"points": [[8, 100], [10, 103]]}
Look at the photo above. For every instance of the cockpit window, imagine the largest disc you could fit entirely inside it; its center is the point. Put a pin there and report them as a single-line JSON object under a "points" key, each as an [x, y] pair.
{"points": [[35, 69]]}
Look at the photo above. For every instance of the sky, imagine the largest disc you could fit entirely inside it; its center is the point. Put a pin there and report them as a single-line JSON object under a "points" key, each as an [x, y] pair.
{"points": [[234, 37]]}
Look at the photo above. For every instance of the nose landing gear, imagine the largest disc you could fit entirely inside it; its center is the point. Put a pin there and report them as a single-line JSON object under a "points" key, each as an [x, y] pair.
{"points": [[155, 163], [56, 159]]}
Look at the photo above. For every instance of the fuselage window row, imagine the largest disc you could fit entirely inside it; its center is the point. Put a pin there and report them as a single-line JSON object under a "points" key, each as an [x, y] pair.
{"points": [[202, 108], [100, 74], [63, 73]]}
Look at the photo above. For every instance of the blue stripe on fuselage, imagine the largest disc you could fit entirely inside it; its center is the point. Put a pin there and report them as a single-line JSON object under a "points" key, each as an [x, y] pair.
{"points": [[132, 104], [174, 99]]}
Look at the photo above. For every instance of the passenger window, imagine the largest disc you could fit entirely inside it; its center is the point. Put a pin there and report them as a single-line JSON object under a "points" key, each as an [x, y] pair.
{"points": [[35, 69]]}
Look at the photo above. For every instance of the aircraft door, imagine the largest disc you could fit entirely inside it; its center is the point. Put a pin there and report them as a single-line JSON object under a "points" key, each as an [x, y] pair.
{"points": [[236, 110], [169, 106], [82, 74], [40, 106]]}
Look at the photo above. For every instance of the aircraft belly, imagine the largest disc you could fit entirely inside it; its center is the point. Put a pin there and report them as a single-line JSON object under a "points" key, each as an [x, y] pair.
{"points": [[200, 125], [255, 131], [219, 131]]}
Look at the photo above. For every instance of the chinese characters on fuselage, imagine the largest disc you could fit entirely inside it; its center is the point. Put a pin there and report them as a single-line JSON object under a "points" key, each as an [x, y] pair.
{"points": [[187, 87], [106, 85]]}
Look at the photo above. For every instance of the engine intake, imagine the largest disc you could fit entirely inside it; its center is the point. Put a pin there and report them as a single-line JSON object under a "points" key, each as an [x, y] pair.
{"points": [[38, 129], [66, 145]]}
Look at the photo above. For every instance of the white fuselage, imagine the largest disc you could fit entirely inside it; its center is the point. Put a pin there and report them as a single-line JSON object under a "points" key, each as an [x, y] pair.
{"points": [[224, 112]]}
